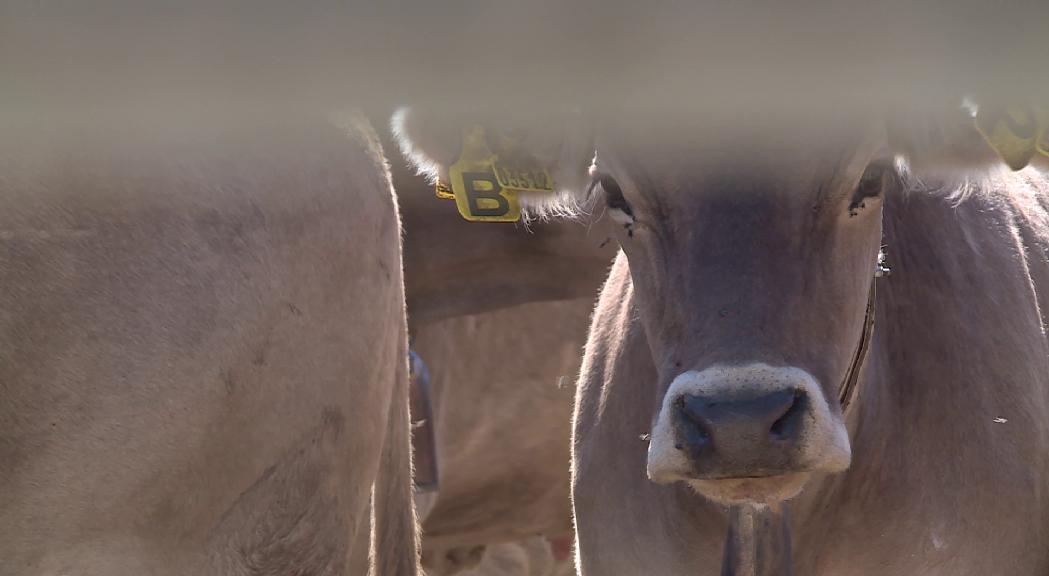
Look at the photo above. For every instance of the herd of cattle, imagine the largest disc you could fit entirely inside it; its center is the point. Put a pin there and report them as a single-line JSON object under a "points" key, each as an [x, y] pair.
{"points": [[206, 322]]}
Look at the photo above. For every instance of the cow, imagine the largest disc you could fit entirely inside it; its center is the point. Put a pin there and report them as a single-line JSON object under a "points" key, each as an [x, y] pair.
{"points": [[503, 384], [498, 313], [204, 346], [752, 399]]}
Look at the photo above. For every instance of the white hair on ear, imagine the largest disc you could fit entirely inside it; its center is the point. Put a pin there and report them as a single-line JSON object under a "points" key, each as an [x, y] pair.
{"points": [[424, 165], [574, 195], [955, 186], [562, 204]]}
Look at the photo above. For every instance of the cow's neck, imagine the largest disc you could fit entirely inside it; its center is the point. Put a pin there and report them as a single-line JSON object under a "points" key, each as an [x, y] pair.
{"points": [[757, 542], [944, 378]]}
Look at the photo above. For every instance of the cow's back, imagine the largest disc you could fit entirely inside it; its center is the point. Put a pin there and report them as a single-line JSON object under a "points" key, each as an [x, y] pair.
{"points": [[203, 343]]}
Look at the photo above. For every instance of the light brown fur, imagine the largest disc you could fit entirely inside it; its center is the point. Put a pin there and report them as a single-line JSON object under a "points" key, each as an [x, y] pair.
{"points": [[204, 348], [528, 557], [503, 385]]}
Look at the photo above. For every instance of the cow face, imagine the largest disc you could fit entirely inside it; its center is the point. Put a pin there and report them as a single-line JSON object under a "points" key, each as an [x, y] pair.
{"points": [[752, 273], [752, 254]]}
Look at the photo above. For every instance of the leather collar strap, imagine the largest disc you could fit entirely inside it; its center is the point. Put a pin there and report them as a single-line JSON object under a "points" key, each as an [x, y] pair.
{"points": [[847, 390]]}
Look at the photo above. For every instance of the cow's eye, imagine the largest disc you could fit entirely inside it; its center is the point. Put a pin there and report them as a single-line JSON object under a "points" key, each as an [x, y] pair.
{"points": [[618, 207], [870, 186]]}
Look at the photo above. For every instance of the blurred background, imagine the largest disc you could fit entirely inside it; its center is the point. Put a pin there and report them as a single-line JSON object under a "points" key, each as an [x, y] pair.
{"points": [[619, 57]]}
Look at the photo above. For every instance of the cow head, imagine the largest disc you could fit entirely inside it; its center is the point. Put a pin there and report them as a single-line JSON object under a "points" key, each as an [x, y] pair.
{"points": [[752, 252], [751, 260]]}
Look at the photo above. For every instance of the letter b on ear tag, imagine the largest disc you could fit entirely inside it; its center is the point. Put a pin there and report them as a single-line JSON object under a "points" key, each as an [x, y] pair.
{"points": [[484, 196], [477, 191], [480, 198]]}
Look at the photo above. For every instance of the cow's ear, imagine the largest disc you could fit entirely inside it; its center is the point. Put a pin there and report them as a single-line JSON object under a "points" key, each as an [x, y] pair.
{"points": [[969, 140], [430, 141], [561, 143]]}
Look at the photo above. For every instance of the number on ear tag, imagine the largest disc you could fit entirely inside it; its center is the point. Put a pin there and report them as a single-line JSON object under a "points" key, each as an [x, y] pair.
{"points": [[478, 194], [1012, 131], [523, 177]]}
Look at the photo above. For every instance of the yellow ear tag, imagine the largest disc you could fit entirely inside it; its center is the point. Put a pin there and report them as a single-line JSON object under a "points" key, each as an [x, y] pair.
{"points": [[1042, 115], [478, 193], [1012, 131]]}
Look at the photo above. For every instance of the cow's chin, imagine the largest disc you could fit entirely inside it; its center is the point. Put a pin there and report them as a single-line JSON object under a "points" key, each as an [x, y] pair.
{"points": [[759, 490]]}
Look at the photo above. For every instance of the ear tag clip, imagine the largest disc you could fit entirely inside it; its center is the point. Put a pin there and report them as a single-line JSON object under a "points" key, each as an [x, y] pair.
{"points": [[443, 191], [478, 194]]}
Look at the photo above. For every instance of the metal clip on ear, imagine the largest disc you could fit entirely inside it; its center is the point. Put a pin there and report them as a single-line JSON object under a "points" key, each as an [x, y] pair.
{"points": [[881, 267]]}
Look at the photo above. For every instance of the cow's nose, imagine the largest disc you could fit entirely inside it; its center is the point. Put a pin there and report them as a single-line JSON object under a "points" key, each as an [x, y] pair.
{"points": [[757, 432]]}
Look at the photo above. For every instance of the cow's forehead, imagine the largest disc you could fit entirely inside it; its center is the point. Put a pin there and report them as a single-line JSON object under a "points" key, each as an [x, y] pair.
{"points": [[757, 168], [782, 148], [771, 128]]}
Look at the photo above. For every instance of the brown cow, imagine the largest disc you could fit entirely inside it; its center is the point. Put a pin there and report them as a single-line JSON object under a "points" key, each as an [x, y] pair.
{"points": [[738, 325], [204, 348], [503, 385], [502, 377]]}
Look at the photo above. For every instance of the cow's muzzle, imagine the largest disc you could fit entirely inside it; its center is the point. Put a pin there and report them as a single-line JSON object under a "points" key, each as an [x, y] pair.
{"points": [[754, 434], [746, 432]]}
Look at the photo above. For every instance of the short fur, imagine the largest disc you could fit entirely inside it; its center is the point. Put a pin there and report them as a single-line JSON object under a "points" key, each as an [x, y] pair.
{"points": [[203, 331]]}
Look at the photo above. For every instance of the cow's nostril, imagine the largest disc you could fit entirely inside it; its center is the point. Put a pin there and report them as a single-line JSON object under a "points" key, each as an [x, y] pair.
{"points": [[692, 425], [786, 427]]}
